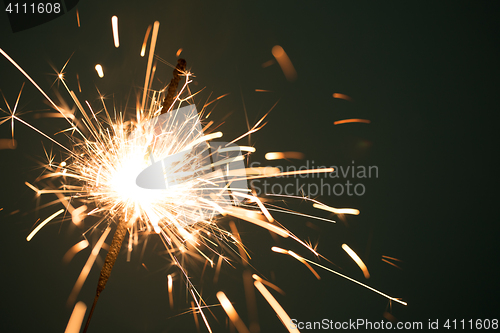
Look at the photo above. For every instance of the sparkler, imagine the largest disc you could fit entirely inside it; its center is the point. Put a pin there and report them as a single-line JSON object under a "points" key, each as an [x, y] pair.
{"points": [[163, 173]]}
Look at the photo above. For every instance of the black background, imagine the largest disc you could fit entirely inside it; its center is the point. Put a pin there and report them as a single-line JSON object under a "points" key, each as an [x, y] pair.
{"points": [[425, 74]]}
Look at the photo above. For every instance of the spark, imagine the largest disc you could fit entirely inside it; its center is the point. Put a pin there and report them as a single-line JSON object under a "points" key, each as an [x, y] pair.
{"points": [[41, 225], [342, 96], [99, 70], [284, 155], [78, 17], [88, 265], [76, 319], [143, 49], [284, 62], [262, 90], [268, 63], [349, 211], [114, 24], [231, 313], [296, 256], [354, 120], [156, 27], [282, 315], [8, 144], [170, 288], [74, 250], [357, 282], [178, 53], [356, 259]]}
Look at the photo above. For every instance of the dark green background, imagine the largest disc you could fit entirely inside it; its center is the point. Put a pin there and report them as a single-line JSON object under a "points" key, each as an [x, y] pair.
{"points": [[425, 74]]}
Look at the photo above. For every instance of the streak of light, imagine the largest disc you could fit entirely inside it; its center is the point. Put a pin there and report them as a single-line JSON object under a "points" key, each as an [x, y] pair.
{"points": [[342, 96], [268, 63], [74, 250], [353, 120], [179, 51], [78, 80], [391, 263], [217, 270], [284, 155], [357, 282], [391, 258], [269, 284], [255, 219], [88, 265], [76, 319], [32, 81], [152, 47], [215, 100], [262, 90], [114, 24], [54, 115], [99, 70], [350, 211], [196, 321], [299, 258], [170, 293], [201, 312], [143, 49], [231, 313], [285, 63], [251, 302], [282, 315], [8, 144], [239, 243], [357, 260], [40, 226], [78, 18]]}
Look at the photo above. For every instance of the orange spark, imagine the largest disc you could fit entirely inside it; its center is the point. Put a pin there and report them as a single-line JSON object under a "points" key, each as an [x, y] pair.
{"points": [[179, 51], [156, 27], [40, 226], [88, 265], [285, 63], [296, 256], [350, 211], [114, 23], [282, 315], [391, 258], [8, 144], [170, 294], [78, 80], [342, 96], [354, 120], [78, 214], [143, 49], [99, 70], [390, 263], [78, 18], [262, 90], [196, 321], [74, 250], [231, 313], [357, 260], [76, 319], [269, 284], [255, 218], [268, 63], [284, 155]]}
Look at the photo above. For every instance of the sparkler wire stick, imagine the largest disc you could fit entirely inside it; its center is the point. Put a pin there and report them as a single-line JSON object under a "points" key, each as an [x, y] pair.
{"points": [[174, 83]]}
